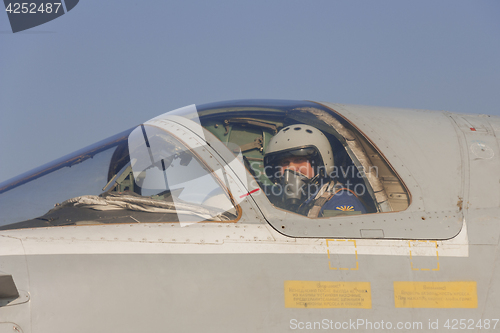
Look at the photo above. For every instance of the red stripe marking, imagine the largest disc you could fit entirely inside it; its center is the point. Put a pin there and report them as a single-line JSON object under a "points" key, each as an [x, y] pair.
{"points": [[253, 191]]}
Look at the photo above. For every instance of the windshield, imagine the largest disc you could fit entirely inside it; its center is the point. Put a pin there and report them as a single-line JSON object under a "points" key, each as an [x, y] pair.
{"points": [[148, 174]]}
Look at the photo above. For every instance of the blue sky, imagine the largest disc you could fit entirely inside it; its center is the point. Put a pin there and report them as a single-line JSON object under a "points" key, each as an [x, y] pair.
{"points": [[109, 65]]}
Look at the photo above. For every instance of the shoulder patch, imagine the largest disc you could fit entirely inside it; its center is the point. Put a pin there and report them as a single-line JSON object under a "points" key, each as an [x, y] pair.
{"points": [[345, 208]]}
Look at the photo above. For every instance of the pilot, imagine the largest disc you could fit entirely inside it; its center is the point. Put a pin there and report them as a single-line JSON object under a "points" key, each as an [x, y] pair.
{"points": [[299, 160]]}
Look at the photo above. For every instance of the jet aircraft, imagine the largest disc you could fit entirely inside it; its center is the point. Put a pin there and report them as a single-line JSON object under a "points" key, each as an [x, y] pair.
{"points": [[175, 226]]}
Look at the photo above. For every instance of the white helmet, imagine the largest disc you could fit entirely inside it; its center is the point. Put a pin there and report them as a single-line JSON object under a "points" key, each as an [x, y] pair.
{"points": [[300, 140]]}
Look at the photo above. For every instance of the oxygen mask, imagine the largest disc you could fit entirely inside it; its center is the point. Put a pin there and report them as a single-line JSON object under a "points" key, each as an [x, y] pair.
{"points": [[294, 185]]}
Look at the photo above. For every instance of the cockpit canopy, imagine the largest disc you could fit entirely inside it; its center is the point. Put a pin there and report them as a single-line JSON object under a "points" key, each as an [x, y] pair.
{"points": [[174, 168]]}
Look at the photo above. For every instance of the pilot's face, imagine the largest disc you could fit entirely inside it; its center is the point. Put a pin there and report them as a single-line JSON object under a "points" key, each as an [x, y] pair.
{"points": [[298, 164]]}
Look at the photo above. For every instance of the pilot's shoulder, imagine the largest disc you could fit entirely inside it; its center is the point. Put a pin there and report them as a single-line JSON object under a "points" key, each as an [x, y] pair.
{"points": [[343, 197]]}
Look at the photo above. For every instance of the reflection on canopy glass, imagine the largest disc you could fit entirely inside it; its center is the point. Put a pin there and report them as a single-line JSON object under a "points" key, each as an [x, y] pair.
{"points": [[161, 180]]}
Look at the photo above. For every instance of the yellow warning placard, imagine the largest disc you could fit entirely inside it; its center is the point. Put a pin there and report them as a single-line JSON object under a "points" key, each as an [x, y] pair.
{"points": [[327, 294], [448, 295]]}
